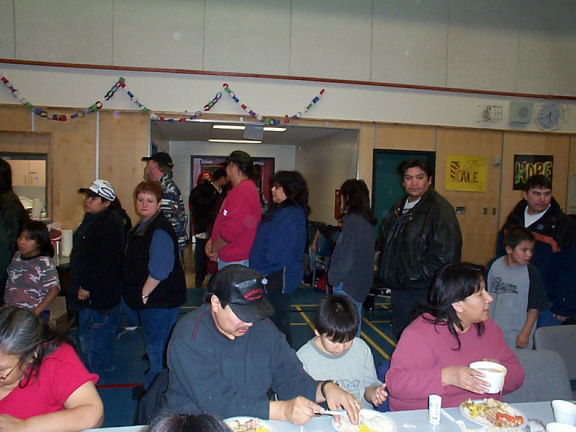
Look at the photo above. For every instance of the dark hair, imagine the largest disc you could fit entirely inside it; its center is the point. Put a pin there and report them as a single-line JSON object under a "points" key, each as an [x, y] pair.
{"points": [[294, 187], [38, 232], [513, 236], [337, 318], [243, 161], [538, 181], [453, 283], [357, 199], [5, 176], [218, 174], [149, 187], [24, 335], [169, 421], [406, 164]]}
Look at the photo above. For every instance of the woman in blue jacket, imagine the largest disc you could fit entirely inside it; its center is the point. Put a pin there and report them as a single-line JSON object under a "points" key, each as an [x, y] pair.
{"points": [[278, 249]]}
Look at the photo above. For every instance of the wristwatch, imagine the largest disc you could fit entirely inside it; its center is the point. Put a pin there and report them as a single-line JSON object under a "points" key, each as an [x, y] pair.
{"points": [[324, 385]]}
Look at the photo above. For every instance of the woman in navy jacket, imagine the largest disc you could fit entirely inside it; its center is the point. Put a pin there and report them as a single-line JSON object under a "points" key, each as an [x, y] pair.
{"points": [[278, 249]]}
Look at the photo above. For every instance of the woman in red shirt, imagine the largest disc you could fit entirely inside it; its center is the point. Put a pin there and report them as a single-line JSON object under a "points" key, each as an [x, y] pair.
{"points": [[43, 384]]}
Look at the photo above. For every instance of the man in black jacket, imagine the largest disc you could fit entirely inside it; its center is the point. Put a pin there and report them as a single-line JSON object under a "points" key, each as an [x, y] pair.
{"points": [[204, 202], [419, 237], [95, 276]]}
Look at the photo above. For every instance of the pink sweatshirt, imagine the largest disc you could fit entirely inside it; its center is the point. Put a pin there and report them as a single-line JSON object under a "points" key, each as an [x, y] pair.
{"points": [[237, 221], [424, 349]]}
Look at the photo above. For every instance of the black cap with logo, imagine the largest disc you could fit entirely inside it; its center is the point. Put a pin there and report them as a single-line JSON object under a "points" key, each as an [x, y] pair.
{"points": [[242, 288]]}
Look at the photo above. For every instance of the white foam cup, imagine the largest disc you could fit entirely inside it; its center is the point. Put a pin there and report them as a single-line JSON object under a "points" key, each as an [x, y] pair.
{"points": [[559, 427], [494, 374], [564, 412]]}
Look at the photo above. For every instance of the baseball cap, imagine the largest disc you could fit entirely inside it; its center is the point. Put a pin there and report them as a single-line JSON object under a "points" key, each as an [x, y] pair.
{"points": [[101, 188], [160, 157], [239, 156], [204, 177], [242, 288]]}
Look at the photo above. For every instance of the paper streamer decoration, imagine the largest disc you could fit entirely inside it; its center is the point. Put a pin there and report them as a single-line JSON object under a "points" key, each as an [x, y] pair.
{"points": [[121, 83], [270, 121]]}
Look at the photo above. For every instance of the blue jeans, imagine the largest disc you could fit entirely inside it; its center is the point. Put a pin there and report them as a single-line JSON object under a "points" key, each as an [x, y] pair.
{"points": [[339, 289], [133, 320], [546, 319], [157, 325], [96, 333], [222, 264]]}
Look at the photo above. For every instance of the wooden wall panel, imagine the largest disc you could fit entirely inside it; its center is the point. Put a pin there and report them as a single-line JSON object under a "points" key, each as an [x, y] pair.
{"points": [[400, 137], [74, 150], [16, 118], [479, 222], [124, 140], [533, 144]]}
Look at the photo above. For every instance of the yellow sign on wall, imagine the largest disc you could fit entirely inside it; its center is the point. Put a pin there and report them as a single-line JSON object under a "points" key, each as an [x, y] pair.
{"points": [[466, 173]]}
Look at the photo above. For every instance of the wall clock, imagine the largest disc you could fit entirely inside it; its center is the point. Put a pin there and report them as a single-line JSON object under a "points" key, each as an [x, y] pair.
{"points": [[549, 115]]}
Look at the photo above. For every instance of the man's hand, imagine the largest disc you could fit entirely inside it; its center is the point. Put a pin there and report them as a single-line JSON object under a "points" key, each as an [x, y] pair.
{"points": [[297, 411], [212, 256], [83, 294], [522, 340], [336, 398]]}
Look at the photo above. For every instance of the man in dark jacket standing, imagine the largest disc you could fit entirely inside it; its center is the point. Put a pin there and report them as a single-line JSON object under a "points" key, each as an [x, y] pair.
{"points": [[555, 248], [95, 276], [420, 236]]}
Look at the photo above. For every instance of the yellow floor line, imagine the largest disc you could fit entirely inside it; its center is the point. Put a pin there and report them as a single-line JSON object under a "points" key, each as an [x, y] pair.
{"points": [[303, 315], [376, 347], [390, 341]]}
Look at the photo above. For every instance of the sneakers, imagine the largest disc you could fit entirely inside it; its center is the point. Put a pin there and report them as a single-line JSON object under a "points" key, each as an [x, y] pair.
{"points": [[130, 328]]}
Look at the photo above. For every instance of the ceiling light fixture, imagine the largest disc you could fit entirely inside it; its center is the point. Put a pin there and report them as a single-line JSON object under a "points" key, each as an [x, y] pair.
{"points": [[274, 129], [229, 127], [235, 141]]}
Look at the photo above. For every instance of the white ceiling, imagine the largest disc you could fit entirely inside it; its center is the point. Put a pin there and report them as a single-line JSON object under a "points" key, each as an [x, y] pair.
{"points": [[203, 131]]}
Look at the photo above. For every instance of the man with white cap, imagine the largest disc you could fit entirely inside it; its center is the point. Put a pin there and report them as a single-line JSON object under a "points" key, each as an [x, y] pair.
{"points": [[159, 168], [95, 275], [225, 357]]}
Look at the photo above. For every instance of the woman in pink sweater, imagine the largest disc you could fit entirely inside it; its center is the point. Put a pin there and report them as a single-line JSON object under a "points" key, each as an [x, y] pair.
{"points": [[452, 331]]}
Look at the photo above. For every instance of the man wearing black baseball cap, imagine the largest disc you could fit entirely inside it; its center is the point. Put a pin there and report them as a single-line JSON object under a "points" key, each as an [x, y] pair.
{"points": [[235, 226], [159, 168], [225, 356]]}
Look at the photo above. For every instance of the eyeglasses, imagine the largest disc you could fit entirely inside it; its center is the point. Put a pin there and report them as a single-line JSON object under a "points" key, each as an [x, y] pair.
{"points": [[5, 377]]}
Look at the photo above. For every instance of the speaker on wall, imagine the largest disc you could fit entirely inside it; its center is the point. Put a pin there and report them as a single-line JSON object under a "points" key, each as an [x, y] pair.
{"points": [[521, 112]]}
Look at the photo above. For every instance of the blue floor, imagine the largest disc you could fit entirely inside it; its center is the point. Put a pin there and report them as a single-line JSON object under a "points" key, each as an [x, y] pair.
{"points": [[116, 387]]}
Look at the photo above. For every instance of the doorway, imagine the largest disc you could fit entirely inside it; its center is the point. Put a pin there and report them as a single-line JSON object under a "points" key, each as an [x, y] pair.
{"points": [[263, 170], [386, 184]]}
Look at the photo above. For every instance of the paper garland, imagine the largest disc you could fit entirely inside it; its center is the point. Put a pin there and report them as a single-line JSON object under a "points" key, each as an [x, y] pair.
{"points": [[121, 83], [269, 121]]}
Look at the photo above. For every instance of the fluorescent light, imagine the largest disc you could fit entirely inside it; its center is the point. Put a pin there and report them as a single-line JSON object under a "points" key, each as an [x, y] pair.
{"points": [[235, 141], [229, 127], [274, 129]]}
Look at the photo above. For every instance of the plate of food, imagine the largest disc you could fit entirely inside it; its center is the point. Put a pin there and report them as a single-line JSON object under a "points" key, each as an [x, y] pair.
{"points": [[249, 424], [370, 421], [493, 413]]}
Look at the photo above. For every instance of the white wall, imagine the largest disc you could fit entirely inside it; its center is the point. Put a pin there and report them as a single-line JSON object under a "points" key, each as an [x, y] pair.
{"points": [[326, 164]]}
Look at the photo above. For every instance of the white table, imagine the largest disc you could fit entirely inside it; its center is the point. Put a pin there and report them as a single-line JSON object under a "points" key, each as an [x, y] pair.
{"points": [[417, 421], [406, 421]]}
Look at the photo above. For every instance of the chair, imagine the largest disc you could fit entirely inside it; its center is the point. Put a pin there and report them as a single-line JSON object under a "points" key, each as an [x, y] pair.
{"points": [[561, 339], [546, 377], [322, 257], [151, 402]]}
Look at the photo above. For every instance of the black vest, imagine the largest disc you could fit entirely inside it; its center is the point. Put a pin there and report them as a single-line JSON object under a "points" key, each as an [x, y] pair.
{"points": [[171, 292]]}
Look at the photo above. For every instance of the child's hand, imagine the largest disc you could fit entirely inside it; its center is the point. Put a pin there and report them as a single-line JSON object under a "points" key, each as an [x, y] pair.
{"points": [[376, 395], [522, 340]]}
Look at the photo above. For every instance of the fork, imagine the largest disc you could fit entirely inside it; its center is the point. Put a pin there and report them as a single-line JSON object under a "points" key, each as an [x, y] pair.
{"points": [[459, 423]]}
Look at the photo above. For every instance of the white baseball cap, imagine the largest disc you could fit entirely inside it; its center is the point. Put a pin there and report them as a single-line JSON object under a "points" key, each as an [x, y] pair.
{"points": [[101, 188]]}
